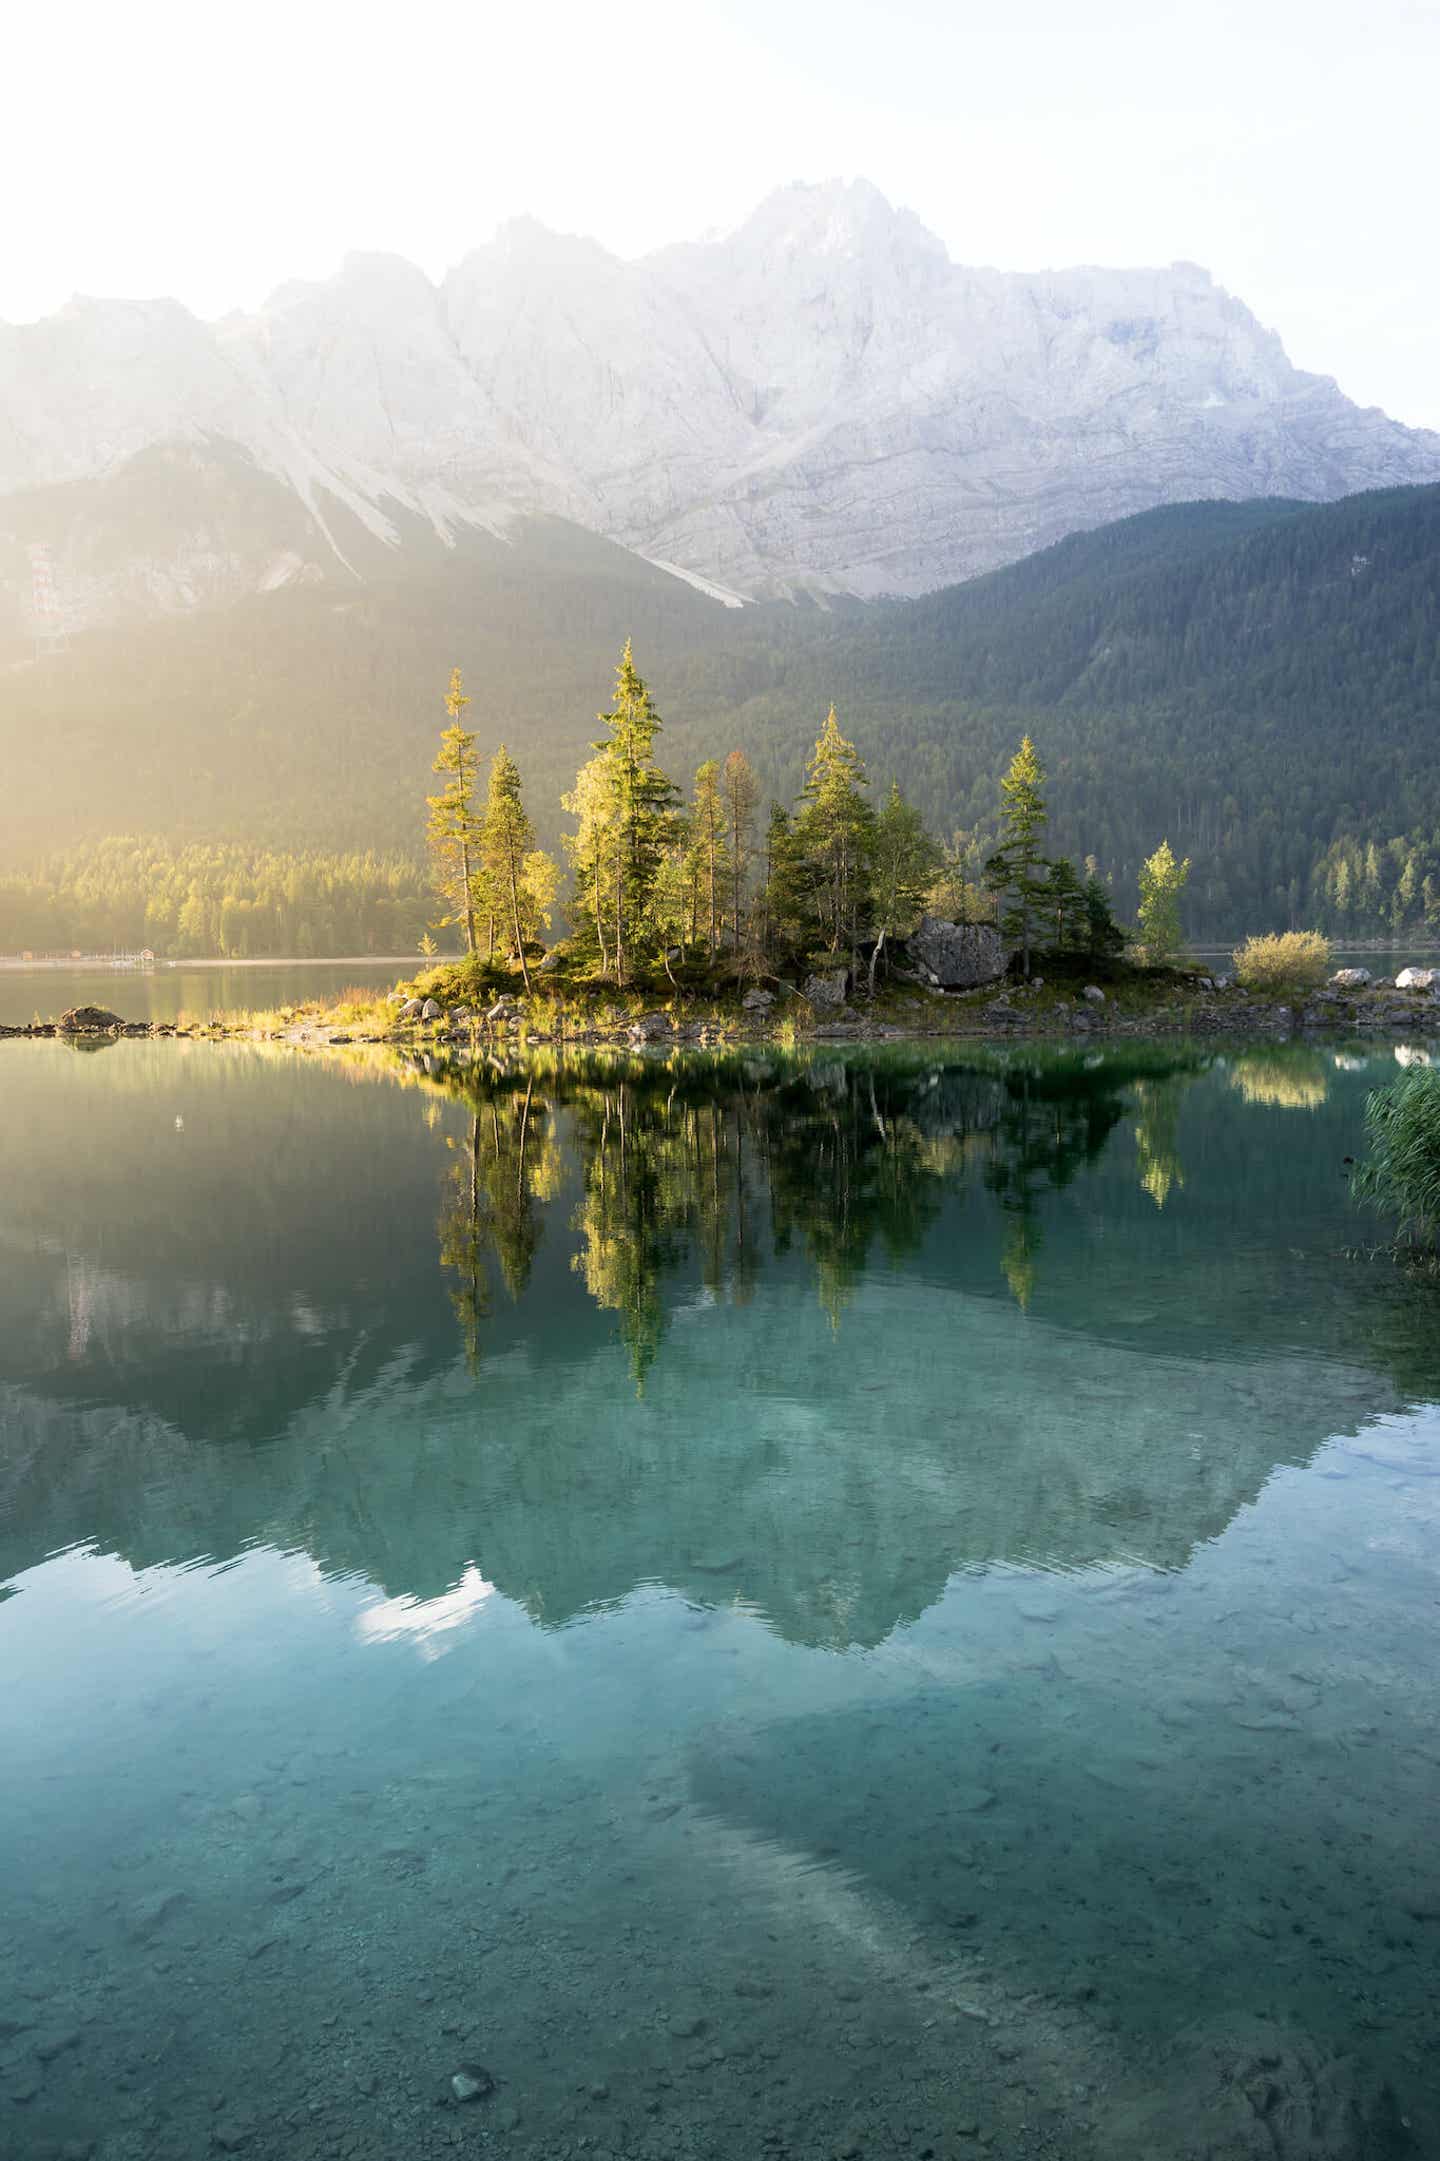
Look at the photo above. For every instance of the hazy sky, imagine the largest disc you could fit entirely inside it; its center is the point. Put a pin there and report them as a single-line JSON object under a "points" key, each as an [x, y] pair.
{"points": [[209, 152]]}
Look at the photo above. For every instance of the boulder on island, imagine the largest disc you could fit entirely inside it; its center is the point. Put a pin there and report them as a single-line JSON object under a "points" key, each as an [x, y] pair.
{"points": [[956, 956], [1417, 979], [1350, 979], [827, 987], [89, 1020]]}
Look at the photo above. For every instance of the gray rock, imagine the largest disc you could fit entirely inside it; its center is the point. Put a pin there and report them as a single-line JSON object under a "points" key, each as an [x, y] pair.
{"points": [[1093, 992], [827, 987], [757, 1001], [88, 1020], [412, 1009], [1350, 979], [472, 2082], [957, 956], [1417, 979], [430, 1010], [650, 1028]]}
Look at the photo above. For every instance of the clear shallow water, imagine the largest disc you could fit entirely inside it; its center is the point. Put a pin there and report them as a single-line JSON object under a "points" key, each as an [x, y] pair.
{"points": [[885, 1605], [195, 988]]}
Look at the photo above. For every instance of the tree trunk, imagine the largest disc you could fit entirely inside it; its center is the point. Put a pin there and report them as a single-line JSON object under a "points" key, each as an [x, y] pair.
{"points": [[471, 940], [874, 959], [515, 926]]}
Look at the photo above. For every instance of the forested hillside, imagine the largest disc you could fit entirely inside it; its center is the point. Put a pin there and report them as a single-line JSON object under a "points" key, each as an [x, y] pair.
{"points": [[1259, 682]]}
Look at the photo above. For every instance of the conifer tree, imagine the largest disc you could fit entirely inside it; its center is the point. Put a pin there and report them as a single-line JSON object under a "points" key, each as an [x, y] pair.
{"points": [[742, 793], [519, 876], [641, 801], [835, 829], [455, 829], [1066, 907], [709, 845], [782, 895], [1017, 868], [1104, 938]]}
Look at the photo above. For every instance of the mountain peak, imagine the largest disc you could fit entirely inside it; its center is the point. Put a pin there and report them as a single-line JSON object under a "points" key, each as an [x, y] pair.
{"points": [[818, 401], [835, 217]]}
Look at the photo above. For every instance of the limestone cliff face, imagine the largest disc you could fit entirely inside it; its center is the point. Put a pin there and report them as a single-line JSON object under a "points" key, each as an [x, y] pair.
{"points": [[820, 399]]}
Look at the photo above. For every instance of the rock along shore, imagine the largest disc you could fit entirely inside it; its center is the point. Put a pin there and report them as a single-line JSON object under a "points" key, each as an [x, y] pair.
{"points": [[1007, 1013]]}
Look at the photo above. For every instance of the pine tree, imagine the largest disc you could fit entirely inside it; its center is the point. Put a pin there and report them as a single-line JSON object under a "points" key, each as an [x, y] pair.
{"points": [[455, 829], [641, 801], [905, 861], [1066, 907], [708, 842], [1162, 881], [1104, 939], [741, 792], [1017, 867], [521, 877], [835, 830], [783, 899]]}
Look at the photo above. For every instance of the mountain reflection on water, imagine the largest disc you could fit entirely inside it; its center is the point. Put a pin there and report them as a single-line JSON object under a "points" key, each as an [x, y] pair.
{"points": [[810, 1333], [809, 1605]]}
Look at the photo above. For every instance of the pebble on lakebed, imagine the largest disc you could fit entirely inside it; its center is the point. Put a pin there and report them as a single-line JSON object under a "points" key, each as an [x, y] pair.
{"points": [[472, 2082]]}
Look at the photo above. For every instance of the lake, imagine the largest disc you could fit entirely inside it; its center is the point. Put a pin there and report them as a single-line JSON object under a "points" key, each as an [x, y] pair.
{"points": [[820, 1607], [196, 989]]}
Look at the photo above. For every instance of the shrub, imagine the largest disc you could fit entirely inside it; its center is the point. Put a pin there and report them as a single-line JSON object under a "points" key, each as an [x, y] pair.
{"points": [[1286, 960], [1401, 1173]]}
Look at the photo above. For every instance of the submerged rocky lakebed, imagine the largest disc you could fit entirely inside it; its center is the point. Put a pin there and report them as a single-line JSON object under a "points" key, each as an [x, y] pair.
{"points": [[858, 1602]]}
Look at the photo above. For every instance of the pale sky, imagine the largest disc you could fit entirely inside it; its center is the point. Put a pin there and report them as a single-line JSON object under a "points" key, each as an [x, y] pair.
{"points": [[209, 152]]}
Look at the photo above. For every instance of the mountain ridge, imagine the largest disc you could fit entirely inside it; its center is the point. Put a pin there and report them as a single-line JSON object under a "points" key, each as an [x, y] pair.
{"points": [[818, 401], [1258, 681]]}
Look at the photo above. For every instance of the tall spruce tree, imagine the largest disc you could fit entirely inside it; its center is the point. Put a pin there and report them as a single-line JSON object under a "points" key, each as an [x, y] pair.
{"points": [[835, 829], [783, 897], [709, 846], [1066, 913], [519, 876], [455, 829], [1104, 939], [1017, 871], [741, 791], [641, 801]]}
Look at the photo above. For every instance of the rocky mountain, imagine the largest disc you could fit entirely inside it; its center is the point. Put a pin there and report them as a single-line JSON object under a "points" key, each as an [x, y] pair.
{"points": [[819, 400]]}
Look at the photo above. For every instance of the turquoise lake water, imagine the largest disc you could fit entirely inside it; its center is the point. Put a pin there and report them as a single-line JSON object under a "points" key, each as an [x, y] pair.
{"points": [[856, 1606]]}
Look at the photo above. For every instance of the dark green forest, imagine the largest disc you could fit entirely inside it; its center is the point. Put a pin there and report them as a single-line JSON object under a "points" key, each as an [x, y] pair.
{"points": [[1258, 681]]}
